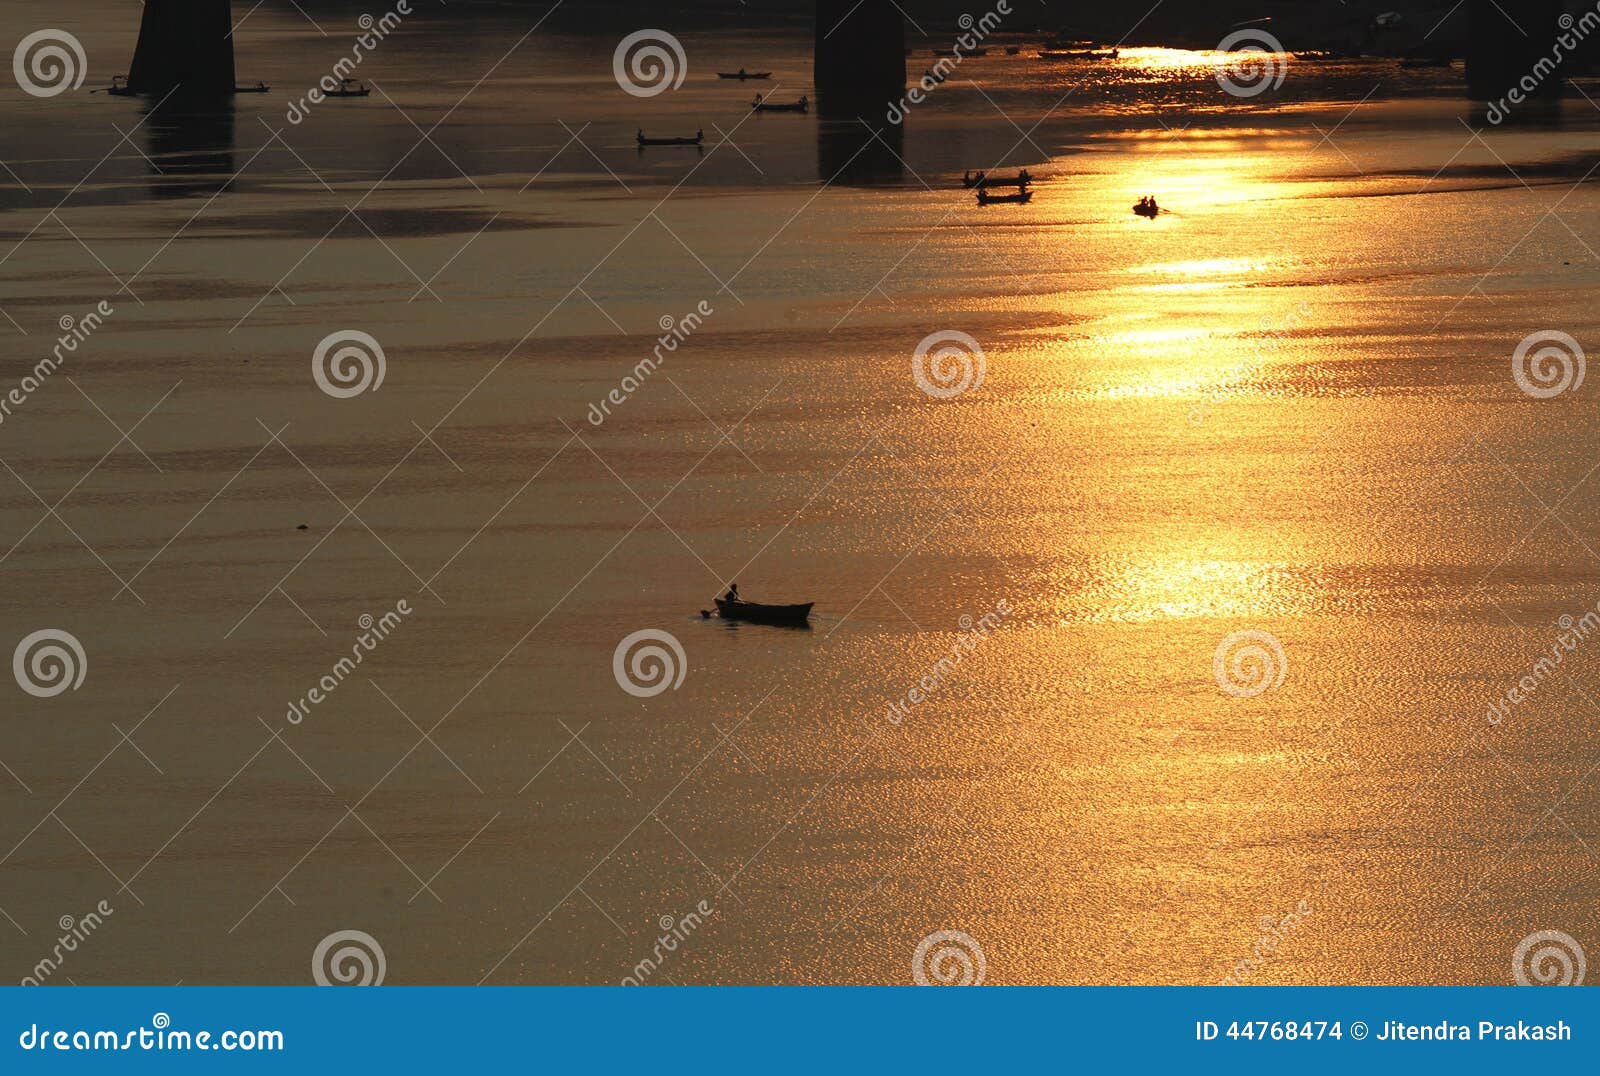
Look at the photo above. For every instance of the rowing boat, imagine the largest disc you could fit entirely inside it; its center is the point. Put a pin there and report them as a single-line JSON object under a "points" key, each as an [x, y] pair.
{"points": [[1055, 54], [1020, 198], [981, 180], [763, 614], [699, 136], [760, 105], [349, 87]]}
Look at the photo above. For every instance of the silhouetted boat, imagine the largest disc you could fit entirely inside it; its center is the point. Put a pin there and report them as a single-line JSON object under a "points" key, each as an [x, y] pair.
{"points": [[760, 105], [1088, 54], [349, 87], [1147, 209], [119, 88], [763, 614], [1020, 198], [742, 74], [699, 136], [983, 179]]}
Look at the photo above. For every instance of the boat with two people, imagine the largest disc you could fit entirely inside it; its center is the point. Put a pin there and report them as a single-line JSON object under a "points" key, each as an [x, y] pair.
{"points": [[1147, 207], [981, 179], [349, 87]]}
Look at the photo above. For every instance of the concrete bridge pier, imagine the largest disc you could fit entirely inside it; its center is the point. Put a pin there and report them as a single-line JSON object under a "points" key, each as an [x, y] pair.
{"points": [[860, 63]]}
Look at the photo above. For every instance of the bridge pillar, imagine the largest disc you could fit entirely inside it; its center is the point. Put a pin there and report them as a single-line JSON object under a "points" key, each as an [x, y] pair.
{"points": [[860, 64], [1514, 51], [184, 46]]}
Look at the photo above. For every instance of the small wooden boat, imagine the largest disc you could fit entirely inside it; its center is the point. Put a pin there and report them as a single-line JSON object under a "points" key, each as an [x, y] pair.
{"points": [[1089, 54], [349, 87], [980, 180], [1020, 198], [763, 614], [1147, 209], [760, 104], [699, 136], [118, 87], [959, 53], [742, 74]]}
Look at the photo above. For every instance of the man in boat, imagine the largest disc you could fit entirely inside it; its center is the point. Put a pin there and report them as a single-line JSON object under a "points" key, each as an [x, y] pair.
{"points": [[1023, 177], [733, 593]]}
